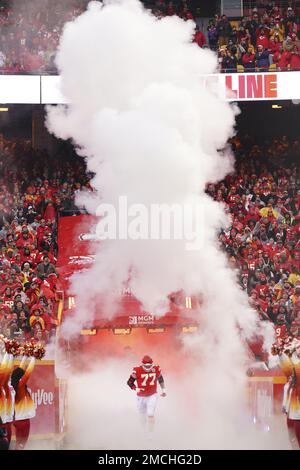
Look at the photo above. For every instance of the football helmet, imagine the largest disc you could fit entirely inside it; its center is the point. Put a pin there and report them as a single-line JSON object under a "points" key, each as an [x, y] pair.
{"points": [[147, 363]]}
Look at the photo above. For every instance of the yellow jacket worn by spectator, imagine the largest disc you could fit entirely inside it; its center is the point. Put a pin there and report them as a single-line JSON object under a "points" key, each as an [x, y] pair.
{"points": [[296, 298], [264, 212], [294, 278], [277, 31]]}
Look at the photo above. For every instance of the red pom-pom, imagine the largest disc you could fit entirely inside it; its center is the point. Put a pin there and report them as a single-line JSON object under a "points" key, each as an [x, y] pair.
{"points": [[39, 351], [12, 347], [28, 348]]}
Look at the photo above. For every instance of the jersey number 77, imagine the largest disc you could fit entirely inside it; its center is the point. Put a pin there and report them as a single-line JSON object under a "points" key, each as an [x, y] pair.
{"points": [[145, 378]]}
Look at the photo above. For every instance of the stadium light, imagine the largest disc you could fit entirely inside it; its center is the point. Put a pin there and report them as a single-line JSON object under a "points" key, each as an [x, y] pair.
{"points": [[121, 331], [276, 106], [155, 330], [189, 329], [88, 332], [3, 110]]}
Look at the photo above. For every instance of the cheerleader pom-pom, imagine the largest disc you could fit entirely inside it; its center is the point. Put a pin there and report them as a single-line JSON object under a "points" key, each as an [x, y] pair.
{"points": [[12, 347], [21, 350], [28, 348], [39, 351]]}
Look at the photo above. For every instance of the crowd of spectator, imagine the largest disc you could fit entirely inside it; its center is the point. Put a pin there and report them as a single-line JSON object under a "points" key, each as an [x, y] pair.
{"points": [[267, 37], [34, 190], [263, 241], [30, 33], [258, 42], [263, 196]]}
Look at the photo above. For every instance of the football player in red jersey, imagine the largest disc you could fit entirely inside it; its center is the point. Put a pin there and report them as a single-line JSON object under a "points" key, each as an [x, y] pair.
{"points": [[281, 330], [146, 377]]}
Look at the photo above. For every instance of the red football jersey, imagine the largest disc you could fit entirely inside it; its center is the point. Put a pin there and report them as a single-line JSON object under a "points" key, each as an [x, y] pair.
{"points": [[146, 381], [280, 331]]}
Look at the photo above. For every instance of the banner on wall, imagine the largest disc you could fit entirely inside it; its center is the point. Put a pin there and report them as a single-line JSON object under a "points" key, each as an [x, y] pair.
{"points": [[42, 385], [257, 86], [50, 397], [22, 89], [231, 87]]}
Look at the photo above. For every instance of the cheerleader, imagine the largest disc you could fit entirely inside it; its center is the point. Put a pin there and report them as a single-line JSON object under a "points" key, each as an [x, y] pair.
{"points": [[289, 357], [16, 403], [25, 408], [9, 395], [4, 441], [6, 397]]}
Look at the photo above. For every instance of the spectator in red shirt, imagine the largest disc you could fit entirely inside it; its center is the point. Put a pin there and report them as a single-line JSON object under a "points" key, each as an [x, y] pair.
{"points": [[282, 59], [263, 39], [295, 59], [248, 60], [199, 38]]}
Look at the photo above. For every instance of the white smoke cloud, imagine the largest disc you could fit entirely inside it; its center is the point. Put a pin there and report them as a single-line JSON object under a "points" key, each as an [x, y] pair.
{"points": [[151, 131], [199, 412]]}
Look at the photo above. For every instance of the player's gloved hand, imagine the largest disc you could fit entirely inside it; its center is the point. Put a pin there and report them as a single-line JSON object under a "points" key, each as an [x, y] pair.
{"points": [[163, 394]]}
